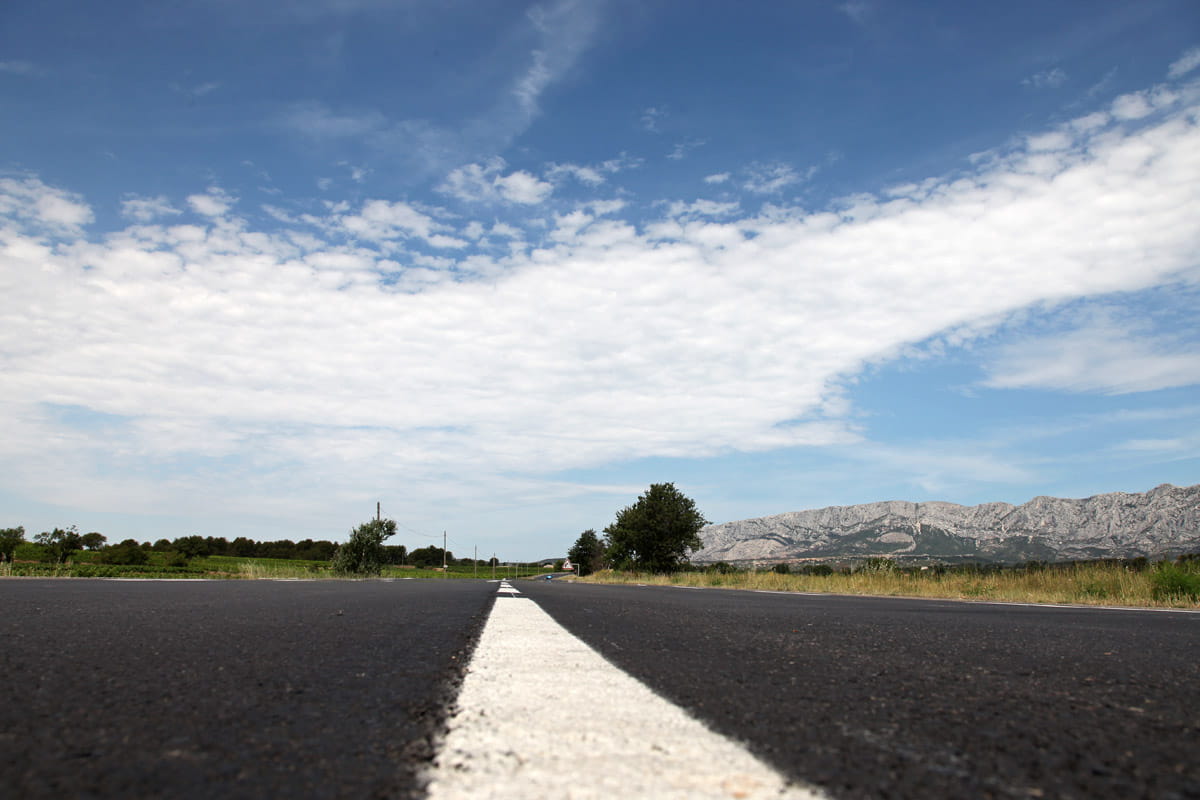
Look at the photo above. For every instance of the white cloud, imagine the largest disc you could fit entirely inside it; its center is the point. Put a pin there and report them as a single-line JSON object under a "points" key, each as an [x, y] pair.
{"points": [[242, 365], [1106, 356], [487, 183], [681, 149], [523, 188], [565, 28], [32, 201], [771, 178], [857, 10], [1131, 106], [651, 117], [213, 203], [146, 209], [380, 221], [718, 178], [584, 174], [18, 67], [1185, 63], [199, 90], [703, 208], [1047, 79]]}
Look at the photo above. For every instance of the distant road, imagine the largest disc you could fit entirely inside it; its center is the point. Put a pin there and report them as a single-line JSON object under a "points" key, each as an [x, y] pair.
{"points": [[227, 689], [881, 697]]}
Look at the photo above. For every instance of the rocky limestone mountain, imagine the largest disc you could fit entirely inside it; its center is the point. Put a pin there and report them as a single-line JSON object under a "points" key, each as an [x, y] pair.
{"points": [[1160, 523]]}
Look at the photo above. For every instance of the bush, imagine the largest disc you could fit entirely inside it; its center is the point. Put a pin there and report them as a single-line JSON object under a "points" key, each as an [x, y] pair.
{"points": [[123, 554], [1172, 581], [781, 568], [364, 553]]}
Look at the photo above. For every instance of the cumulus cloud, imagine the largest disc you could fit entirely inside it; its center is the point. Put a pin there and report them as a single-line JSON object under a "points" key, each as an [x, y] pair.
{"points": [[771, 178], [145, 209], [590, 176], [213, 203], [487, 183], [381, 221], [245, 364], [30, 200]]}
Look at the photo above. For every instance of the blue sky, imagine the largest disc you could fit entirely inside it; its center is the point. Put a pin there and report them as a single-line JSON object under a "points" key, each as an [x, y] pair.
{"points": [[502, 266]]}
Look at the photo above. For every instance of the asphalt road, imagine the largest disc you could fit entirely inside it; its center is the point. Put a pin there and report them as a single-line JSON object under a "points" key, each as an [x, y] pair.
{"points": [[180, 689], [891, 698], [340, 689]]}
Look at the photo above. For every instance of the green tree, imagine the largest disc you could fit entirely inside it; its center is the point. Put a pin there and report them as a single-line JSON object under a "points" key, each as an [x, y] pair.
{"points": [[587, 554], [191, 546], [429, 557], [9, 539], [93, 540], [60, 544], [127, 552], [364, 553], [655, 533]]}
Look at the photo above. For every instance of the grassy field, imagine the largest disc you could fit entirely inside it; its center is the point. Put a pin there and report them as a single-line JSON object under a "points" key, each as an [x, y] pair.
{"points": [[166, 565], [1164, 585]]}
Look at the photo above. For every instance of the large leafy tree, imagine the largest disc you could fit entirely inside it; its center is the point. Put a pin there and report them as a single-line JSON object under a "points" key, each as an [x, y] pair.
{"points": [[364, 553], [94, 540], [61, 544], [655, 533], [9, 539], [587, 554]]}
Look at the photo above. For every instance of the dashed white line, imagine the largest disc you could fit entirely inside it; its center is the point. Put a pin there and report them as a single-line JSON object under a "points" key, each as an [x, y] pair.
{"points": [[541, 714]]}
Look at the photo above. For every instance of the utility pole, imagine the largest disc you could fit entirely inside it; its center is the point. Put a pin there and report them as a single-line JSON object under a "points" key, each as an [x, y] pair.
{"points": [[377, 511], [476, 561], [443, 554]]}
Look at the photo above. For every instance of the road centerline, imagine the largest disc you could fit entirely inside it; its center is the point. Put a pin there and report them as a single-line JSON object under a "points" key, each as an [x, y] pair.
{"points": [[540, 711]]}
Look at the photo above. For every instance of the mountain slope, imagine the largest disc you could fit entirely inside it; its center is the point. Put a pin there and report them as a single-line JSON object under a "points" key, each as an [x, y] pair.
{"points": [[1164, 521]]}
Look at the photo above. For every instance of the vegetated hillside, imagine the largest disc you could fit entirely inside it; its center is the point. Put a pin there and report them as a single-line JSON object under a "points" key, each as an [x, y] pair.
{"points": [[1163, 522]]}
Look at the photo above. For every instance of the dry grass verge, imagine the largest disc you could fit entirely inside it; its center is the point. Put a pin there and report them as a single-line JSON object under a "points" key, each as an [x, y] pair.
{"points": [[1159, 586]]}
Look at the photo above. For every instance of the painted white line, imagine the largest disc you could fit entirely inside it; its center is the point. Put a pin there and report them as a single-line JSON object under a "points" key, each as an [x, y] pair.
{"points": [[542, 715]]}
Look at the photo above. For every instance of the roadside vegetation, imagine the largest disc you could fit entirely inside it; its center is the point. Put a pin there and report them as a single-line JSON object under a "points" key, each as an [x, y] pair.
{"points": [[1132, 582], [60, 554]]}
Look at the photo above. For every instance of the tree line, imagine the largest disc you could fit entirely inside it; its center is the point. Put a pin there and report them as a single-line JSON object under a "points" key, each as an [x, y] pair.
{"points": [[60, 544]]}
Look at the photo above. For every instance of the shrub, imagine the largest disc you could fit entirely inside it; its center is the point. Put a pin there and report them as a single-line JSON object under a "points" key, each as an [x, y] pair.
{"points": [[123, 554], [1175, 581], [363, 554], [782, 568]]}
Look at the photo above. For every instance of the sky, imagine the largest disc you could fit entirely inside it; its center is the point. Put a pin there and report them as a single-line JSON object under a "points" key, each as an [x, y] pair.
{"points": [[500, 266]]}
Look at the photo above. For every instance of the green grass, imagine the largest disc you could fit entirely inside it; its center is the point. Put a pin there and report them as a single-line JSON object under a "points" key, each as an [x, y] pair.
{"points": [[1163, 585], [167, 565]]}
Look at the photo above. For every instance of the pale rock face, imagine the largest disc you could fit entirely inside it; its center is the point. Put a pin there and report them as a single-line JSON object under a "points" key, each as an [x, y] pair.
{"points": [[1160, 523]]}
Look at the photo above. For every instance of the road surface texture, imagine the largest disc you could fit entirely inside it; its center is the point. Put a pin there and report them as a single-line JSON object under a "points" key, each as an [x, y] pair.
{"points": [[894, 698], [235, 689], [181, 689]]}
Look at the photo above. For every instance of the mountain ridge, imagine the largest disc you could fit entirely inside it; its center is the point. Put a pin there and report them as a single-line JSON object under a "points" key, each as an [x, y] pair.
{"points": [[1159, 523]]}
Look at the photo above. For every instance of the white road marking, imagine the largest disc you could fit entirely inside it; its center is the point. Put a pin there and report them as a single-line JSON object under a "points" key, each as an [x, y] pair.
{"points": [[542, 715]]}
